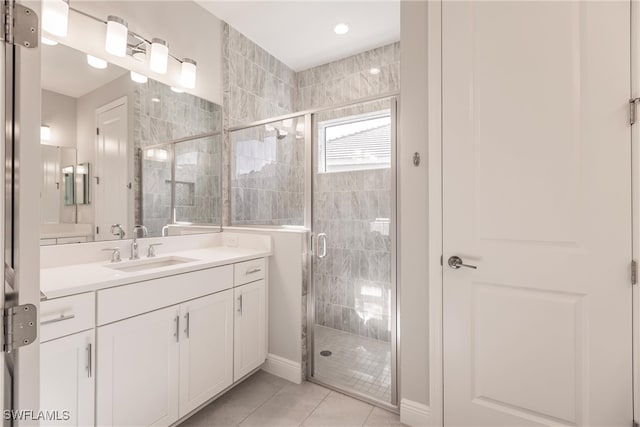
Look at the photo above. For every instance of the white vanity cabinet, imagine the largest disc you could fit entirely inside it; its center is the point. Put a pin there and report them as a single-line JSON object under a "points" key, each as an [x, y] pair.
{"points": [[138, 370], [67, 378], [206, 349], [250, 329]]}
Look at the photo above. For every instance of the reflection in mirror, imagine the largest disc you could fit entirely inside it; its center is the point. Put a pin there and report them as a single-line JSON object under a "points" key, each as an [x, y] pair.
{"points": [[82, 184], [106, 121], [68, 184]]}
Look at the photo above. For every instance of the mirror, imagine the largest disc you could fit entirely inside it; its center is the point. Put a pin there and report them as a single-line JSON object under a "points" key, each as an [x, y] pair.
{"points": [[115, 151]]}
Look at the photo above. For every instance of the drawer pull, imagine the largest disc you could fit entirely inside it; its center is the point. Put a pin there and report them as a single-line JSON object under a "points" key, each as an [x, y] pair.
{"points": [[253, 270], [58, 319], [89, 357]]}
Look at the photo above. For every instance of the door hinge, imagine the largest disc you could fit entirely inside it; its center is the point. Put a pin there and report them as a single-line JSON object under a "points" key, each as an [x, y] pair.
{"points": [[633, 107], [20, 326], [634, 272], [97, 131], [20, 25]]}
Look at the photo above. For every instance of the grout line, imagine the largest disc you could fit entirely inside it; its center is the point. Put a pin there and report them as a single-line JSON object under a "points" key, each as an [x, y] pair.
{"points": [[263, 403], [317, 406], [368, 415]]}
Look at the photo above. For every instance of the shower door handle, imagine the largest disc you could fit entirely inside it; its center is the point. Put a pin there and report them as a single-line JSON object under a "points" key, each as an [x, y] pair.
{"points": [[322, 238]]}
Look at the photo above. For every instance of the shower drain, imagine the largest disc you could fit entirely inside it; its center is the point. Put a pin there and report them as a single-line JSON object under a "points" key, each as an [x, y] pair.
{"points": [[325, 353]]}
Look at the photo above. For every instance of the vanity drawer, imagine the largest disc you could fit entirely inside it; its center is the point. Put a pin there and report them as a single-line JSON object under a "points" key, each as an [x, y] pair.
{"points": [[248, 271], [67, 315]]}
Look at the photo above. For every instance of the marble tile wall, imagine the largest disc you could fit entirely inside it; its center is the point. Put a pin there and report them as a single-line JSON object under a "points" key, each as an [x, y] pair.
{"points": [[256, 86], [161, 115], [349, 79]]}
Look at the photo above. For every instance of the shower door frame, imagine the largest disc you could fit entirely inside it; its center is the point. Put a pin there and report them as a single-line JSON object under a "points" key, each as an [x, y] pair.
{"points": [[310, 160]]}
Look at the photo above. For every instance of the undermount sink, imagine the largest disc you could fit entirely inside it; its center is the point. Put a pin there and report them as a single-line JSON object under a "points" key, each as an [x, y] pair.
{"points": [[148, 264]]}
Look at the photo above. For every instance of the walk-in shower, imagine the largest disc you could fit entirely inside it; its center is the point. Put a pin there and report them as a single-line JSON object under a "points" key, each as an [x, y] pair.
{"points": [[332, 171]]}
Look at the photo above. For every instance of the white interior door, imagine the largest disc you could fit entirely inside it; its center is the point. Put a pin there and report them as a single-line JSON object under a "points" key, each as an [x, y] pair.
{"points": [[537, 195], [112, 179]]}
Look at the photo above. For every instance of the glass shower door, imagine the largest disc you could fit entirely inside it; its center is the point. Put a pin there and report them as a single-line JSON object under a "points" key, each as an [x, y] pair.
{"points": [[353, 290]]}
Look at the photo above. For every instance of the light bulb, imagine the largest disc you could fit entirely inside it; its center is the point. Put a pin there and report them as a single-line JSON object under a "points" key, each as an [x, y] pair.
{"points": [[48, 42], [95, 62], [138, 78], [159, 56], [117, 35], [45, 133], [188, 74], [341, 29], [55, 17]]}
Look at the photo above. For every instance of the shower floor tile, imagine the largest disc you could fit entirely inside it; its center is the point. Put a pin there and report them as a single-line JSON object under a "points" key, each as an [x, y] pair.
{"points": [[357, 363]]}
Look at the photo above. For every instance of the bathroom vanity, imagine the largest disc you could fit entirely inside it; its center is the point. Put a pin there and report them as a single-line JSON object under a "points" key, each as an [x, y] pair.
{"points": [[147, 342]]}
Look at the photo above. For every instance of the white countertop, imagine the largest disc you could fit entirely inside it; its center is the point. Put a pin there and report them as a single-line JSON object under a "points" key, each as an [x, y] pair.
{"points": [[67, 280]]}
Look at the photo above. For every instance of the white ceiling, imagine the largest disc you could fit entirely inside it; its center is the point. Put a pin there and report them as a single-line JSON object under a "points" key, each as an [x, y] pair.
{"points": [[300, 33], [65, 70]]}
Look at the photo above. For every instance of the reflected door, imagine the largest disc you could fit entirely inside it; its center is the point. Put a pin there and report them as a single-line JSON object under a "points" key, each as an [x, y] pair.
{"points": [[537, 196], [353, 265], [112, 166]]}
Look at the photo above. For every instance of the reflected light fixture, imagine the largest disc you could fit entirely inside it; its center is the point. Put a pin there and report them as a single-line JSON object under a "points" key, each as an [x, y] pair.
{"points": [[95, 62], [45, 133], [55, 17], [117, 35], [176, 89], [48, 42], [188, 73], [341, 28], [374, 71], [159, 56], [138, 78]]}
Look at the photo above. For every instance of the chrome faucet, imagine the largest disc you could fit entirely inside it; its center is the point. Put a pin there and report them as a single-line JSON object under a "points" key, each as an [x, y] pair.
{"points": [[118, 231], [165, 230], [134, 242]]}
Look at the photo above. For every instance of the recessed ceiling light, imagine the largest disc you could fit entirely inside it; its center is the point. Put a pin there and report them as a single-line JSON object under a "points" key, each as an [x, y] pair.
{"points": [[48, 42], [341, 29], [95, 62], [374, 71]]}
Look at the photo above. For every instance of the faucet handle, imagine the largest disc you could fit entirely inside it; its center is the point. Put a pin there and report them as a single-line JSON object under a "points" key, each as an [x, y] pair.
{"points": [[115, 254], [151, 252], [137, 227], [118, 231]]}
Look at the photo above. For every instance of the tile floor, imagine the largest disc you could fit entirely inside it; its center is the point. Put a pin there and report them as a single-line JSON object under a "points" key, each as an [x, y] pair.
{"points": [[268, 401], [356, 363]]}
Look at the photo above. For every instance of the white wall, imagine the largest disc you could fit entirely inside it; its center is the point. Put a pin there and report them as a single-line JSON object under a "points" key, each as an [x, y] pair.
{"points": [[86, 125], [59, 113], [285, 300], [189, 30], [414, 215]]}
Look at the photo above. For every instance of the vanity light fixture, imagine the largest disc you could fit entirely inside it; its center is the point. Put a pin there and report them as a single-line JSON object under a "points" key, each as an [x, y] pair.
{"points": [[48, 42], [45, 133], [138, 78], [341, 29], [159, 56], [55, 17], [96, 62], [117, 36], [188, 73]]}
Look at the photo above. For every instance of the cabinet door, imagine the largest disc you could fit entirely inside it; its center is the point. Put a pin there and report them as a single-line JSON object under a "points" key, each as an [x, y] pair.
{"points": [[137, 369], [67, 379], [206, 349], [249, 328]]}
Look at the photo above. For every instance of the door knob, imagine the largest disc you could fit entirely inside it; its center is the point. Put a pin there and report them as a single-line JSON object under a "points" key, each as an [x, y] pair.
{"points": [[456, 262]]}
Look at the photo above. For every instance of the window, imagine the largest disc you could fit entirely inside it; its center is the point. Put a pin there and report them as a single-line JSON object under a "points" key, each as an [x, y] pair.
{"points": [[355, 143]]}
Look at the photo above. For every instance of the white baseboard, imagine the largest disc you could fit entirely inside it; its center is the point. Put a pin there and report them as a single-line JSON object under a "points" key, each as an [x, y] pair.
{"points": [[283, 368], [414, 414]]}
